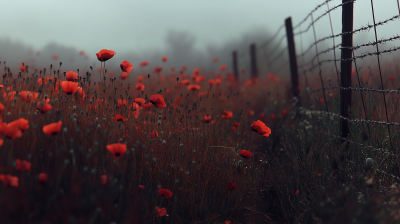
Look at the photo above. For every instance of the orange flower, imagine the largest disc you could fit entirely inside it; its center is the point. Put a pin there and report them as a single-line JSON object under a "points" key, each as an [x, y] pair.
{"points": [[10, 95], [227, 115], [147, 106], [28, 96], [143, 63], [218, 81], [71, 76], [118, 117], [105, 55], [139, 87], [117, 149], [126, 66], [245, 154], [135, 108], [11, 132], [69, 87], [164, 59], [52, 129], [165, 192], [207, 119], [124, 75], [260, 128], [43, 107], [21, 123], [81, 92], [140, 79], [158, 101], [194, 87], [140, 101]]}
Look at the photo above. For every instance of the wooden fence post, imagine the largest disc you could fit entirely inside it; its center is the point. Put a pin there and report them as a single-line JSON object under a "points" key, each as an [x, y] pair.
{"points": [[253, 55], [292, 58], [235, 65], [345, 67]]}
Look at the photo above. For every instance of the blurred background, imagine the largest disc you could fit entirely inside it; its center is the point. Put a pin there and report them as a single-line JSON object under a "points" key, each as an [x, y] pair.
{"points": [[189, 33]]}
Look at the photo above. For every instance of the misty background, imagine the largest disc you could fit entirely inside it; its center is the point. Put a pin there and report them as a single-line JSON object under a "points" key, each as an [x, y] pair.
{"points": [[189, 33]]}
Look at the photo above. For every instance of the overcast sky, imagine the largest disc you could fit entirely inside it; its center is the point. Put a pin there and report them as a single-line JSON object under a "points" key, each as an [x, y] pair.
{"points": [[132, 25]]}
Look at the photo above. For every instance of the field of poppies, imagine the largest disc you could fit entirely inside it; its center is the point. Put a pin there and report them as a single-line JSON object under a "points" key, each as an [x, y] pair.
{"points": [[184, 146]]}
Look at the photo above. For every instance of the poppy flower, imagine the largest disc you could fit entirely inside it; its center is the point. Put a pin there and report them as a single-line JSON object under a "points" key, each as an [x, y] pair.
{"points": [[273, 116], [140, 101], [185, 82], [196, 71], [80, 92], [165, 192], [69, 87], [10, 95], [194, 87], [126, 66], [164, 59], [71, 76], [9, 180], [207, 119], [81, 52], [42, 178], [105, 55], [391, 78], [262, 115], [260, 128], [233, 129], [200, 78], [22, 165], [122, 102], [11, 132], [22, 67], [135, 108], [124, 75], [215, 59], [147, 106], [157, 69], [43, 107], [231, 186], [154, 134], [117, 149], [245, 154], [251, 112], [52, 129], [218, 81], [284, 112], [1, 107], [55, 57], [28, 96], [227, 115], [297, 192], [103, 179], [158, 101], [139, 87], [161, 212], [236, 124], [143, 63], [21, 123], [222, 67], [140, 79], [118, 117]]}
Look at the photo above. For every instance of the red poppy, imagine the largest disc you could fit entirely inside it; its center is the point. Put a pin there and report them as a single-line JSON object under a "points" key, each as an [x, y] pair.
{"points": [[135, 108], [233, 129], [164, 59], [22, 67], [260, 128], [297, 192], [231, 186], [251, 112], [11, 132], [283, 112], [157, 69], [196, 71], [273, 116], [105, 55], [391, 78], [55, 57], [52, 129], [143, 63], [126, 66], [42, 178], [118, 117], [165, 192], [81, 52], [23, 166], [139, 87], [69, 87], [117, 149], [207, 119], [140, 79], [227, 115], [161, 212], [1, 107], [185, 82], [158, 101], [154, 134], [200, 78], [194, 87], [10, 95], [245, 154], [80, 92], [28, 96], [124, 75], [21, 123], [222, 67], [140, 101], [122, 103], [211, 82], [103, 179], [9, 180], [71, 76], [236, 124], [218, 81], [43, 107], [262, 115], [147, 106]]}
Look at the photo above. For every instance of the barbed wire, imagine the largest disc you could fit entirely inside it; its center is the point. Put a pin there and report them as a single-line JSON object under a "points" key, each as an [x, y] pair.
{"points": [[363, 28], [279, 43], [319, 17], [309, 112], [273, 37], [358, 89], [353, 58], [319, 53], [309, 14]]}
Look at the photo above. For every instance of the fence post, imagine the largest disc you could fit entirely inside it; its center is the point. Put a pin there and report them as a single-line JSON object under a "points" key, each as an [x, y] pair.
{"points": [[235, 65], [345, 67], [292, 58], [254, 68]]}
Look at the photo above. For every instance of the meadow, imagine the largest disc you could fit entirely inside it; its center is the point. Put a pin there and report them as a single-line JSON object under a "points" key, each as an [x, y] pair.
{"points": [[138, 144]]}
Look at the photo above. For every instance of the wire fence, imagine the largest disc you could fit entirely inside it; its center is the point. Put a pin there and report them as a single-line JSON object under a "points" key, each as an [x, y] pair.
{"points": [[280, 57]]}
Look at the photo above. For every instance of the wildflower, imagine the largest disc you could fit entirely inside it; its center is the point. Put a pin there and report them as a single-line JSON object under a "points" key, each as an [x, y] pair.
{"points": [[122, 102], [251, 112], [9, 180], [297, 192], [105, 55], [196, 71], [43, 107], [273, 116], [211, 82], [194, 87], [143, 63], [11, 132], [161, 212], [245, 154], [236, 124], [261, 128], [52, 129], [154, 134], [42, 178], [118, 117], [55, 56], [140, 101], [283, 112], [185, 82], [207, 119], [165, 192], [69, 87], [22, 165], [227, 115], [126, 66], [157, 69], [164, 59], [222, 67], [71, 76], [139, 87], [21, 123], [28, 96], [117, 149], [124, 75], [231, 186], [103, 179], [158, 101]]}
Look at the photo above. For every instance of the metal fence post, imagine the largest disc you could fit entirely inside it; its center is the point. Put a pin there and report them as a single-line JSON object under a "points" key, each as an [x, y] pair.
{"points": [[253, 55], [235, 65], [292, 58]]}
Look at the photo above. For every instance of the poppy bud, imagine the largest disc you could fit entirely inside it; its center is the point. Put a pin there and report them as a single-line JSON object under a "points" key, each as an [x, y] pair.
{"points": [[369, 163]]}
